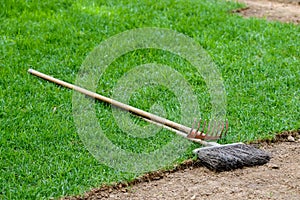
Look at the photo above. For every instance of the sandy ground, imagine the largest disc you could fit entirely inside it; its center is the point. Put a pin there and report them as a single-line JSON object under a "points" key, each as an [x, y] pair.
{"points": [[279, 179]]}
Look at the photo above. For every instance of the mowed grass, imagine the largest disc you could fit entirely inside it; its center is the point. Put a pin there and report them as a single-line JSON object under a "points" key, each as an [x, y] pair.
{"points": [[42, 155]]}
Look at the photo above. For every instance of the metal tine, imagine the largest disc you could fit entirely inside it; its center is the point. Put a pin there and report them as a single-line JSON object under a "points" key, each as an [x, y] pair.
{"points": [[199, 123], [224, 127], [224, 131], [203, 127], [221, 129], [197, 131], [191, 135], [211, 123], [213, 128], [208, 128]]}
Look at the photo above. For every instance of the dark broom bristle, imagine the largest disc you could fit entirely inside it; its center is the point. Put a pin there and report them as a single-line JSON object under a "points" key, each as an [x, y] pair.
{"points": [[229, 157]]}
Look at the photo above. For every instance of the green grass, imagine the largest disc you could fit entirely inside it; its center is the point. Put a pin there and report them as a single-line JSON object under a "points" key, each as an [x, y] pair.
{"points": [[41, 153]]}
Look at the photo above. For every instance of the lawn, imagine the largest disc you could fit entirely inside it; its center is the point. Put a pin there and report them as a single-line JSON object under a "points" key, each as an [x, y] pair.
{"points": [[42, 155]]}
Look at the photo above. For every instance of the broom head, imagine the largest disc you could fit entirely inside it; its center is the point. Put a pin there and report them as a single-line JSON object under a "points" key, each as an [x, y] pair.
{"points": [[231, 156]]}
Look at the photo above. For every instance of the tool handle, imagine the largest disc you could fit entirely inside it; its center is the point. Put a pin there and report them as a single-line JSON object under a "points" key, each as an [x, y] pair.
{"points": [[126, 107], [202, 142]]}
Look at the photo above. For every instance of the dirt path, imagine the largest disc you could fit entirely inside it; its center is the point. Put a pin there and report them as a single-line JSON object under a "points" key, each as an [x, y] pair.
{"points": [[280, 10], [279, 179]]}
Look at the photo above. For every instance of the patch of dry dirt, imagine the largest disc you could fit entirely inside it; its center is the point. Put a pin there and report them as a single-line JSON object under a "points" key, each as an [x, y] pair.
{"points": [[279, 179], [279, 10]]}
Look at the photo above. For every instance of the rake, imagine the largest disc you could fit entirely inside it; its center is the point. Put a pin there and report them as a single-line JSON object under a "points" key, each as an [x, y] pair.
{"points": [[214, 156]]}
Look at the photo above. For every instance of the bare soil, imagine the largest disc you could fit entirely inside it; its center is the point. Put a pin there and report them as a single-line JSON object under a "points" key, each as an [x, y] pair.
{"points": [[287, 11], [279, 179]]}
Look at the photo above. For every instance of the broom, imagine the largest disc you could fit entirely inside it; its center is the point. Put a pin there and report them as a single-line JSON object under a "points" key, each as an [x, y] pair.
{"points": [[213, 156]]}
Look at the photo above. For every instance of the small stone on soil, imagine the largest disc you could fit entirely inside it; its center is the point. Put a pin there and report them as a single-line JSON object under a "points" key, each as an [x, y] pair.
{"points": [[291, 138], [273, 166]]}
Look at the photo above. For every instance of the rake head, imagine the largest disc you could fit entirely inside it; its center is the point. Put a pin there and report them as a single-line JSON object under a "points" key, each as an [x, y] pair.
{"points": [[210, 130]]}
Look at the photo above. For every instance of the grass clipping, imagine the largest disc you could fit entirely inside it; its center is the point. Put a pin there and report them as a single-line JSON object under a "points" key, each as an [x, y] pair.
{"points": [[232, 156]]}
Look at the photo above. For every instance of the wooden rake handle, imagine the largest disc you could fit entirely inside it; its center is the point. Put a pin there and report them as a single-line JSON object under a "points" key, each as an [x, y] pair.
{"points": [[118, 104]]}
